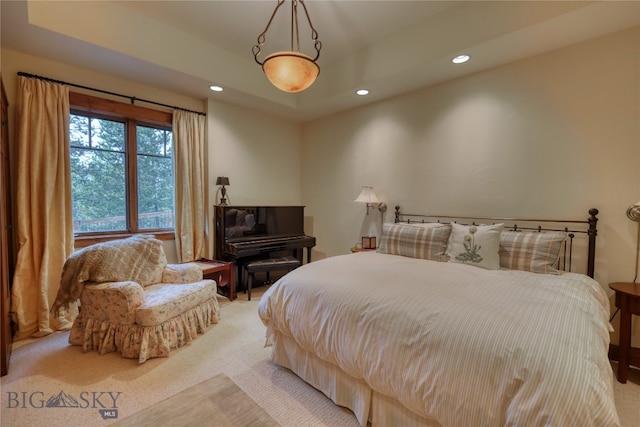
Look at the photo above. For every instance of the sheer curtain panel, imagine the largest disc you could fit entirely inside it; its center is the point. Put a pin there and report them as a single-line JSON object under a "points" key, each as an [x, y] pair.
{"points": [[43, 205]]}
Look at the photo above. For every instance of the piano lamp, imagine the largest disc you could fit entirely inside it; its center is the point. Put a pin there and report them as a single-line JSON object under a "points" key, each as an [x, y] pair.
{"points": [[633, 213], [368, 197], [223, 180], [290, 71]]}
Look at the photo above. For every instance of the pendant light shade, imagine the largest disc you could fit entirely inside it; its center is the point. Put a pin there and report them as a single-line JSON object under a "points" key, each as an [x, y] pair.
{"points": [[290, 71]]}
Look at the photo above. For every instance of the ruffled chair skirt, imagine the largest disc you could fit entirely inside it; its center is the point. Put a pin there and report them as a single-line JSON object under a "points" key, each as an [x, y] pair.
{"points": [[144, 342]]}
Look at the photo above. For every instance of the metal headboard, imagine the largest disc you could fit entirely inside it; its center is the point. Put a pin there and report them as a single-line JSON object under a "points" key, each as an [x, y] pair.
{"points": [[571, 227]]}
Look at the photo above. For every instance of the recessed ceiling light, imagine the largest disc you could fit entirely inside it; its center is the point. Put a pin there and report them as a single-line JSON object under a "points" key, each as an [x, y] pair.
{"points": [[362, 92], [215, 88], [460, 59]]}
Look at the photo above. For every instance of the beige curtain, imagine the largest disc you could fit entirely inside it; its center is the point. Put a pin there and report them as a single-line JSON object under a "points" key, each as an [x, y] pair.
{"points": [[43, 204], [190, 226]]}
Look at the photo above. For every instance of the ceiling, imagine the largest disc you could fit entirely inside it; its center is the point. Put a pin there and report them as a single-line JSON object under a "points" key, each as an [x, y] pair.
{"points": [[389, 47]]}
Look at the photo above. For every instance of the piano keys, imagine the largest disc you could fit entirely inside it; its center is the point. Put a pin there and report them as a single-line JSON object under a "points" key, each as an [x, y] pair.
{"points": [[276, 244], [244, 233]]}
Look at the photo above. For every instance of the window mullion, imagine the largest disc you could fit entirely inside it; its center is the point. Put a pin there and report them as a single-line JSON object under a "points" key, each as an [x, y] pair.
{"points": [[132, 176]]}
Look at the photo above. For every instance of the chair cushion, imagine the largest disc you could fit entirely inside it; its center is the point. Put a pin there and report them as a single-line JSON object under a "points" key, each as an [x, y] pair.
{"points": [[164, 301]]}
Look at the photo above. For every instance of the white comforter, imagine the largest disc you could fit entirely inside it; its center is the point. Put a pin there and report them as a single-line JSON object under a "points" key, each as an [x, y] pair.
{"points": [[455, 343]]}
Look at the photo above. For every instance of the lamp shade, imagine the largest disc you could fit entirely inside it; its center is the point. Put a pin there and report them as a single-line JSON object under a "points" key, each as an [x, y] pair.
{"points": [[222, 180], [367, 195], [290, 71]]}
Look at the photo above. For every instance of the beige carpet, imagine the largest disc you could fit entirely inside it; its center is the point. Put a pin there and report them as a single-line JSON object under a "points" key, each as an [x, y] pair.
{"points": [[49, 366], [108, 389]]}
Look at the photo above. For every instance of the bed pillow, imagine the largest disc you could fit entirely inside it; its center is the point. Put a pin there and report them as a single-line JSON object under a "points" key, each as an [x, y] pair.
{"points": [[537, 252], [477, 245], [425, 241]]}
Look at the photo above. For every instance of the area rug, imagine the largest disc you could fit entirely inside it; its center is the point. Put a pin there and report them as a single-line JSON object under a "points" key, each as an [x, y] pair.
{"points": [[217, 401]]}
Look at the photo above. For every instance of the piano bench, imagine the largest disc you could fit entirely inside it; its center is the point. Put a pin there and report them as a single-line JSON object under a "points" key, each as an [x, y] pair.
{"points": [[285, 263]]}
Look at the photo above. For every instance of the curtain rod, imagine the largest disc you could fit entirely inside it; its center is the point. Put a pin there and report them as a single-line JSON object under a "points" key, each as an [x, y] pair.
{"points": [[131, 98]]}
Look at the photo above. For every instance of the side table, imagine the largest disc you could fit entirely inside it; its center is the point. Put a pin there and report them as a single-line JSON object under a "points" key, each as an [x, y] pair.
{"points": [[220, 271], [628, 301]]}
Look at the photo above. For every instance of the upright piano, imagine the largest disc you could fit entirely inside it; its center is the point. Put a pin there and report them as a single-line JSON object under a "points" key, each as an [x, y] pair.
{"points": [[245, 233]]}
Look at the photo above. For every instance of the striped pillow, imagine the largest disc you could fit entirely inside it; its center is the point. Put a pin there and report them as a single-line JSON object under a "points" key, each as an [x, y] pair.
{"points": [[537, 252], [425, 241]]}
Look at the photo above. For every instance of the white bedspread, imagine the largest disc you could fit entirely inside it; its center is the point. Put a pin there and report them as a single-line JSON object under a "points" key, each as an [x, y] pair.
{"points": [[455, 343]]}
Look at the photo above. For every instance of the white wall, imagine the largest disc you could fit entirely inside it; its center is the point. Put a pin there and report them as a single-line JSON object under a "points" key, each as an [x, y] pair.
{"points": [[261, 155], [546, 137]]}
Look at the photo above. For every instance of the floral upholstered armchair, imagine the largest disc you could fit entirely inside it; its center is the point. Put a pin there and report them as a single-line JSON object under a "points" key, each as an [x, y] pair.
{"points": [[133, 302]]}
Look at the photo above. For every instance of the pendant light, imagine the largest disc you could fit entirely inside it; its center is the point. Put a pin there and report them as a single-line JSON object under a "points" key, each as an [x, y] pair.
{"points": [[290, 71]]}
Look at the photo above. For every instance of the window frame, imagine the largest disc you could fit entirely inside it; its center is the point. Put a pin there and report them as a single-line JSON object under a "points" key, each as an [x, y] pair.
{"points": [[132, 115]]}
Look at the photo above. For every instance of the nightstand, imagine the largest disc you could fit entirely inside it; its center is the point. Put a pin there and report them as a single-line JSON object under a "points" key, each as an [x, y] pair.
{"points": [[628, 301], [220, 271]]}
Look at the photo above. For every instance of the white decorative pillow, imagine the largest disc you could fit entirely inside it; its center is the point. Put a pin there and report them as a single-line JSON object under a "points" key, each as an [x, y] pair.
{"points": [[536, 252], [477, 245], [415, 240]]}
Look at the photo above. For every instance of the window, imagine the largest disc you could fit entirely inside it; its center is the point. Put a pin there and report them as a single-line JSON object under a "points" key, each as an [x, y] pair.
{"points": [[121, 168], [155, 176]]}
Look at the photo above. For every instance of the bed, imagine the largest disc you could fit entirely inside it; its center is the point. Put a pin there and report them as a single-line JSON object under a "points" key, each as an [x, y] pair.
{"points": [[453, 322]]}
